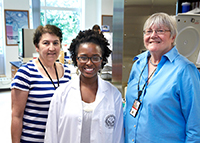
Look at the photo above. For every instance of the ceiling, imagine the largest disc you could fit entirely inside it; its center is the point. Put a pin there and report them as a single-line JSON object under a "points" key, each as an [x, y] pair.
{"points": [[150, 2]]}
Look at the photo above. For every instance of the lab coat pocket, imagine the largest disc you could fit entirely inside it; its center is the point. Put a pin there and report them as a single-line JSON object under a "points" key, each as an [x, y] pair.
{"points": [[108, 121]]}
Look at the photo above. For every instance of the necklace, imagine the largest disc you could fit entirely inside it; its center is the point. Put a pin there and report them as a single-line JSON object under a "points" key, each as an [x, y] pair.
{"points": [[49, 75], [152, 63]]}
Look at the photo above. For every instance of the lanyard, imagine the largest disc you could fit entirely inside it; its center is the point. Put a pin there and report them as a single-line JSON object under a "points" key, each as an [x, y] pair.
{"points": [[140, 91], [49, 75]]}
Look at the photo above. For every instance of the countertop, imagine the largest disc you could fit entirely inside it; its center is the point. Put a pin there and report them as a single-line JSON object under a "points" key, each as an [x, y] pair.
{"points": [[17, 64]]}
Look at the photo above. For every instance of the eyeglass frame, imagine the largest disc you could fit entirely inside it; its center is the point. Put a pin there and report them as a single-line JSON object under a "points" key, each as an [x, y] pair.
{"points": [[89, 58], [156, 31]]}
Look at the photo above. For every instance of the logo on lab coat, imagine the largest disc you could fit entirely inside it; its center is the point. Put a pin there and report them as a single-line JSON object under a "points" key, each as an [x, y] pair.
{"points": [[110, 121]]}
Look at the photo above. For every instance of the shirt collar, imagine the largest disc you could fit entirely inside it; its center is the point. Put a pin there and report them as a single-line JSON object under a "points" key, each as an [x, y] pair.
{"points": [[171, 55], [142, 55]]}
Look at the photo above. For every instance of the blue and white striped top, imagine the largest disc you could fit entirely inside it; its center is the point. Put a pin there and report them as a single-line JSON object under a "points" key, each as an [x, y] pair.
{"points": [[41, 89]]}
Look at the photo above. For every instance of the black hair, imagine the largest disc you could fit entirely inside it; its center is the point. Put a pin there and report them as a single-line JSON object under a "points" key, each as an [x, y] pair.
{"points": [[90, 36], [51, 29], [96, 27]]}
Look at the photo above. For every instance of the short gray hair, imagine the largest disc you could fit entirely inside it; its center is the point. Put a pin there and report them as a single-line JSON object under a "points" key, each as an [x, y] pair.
{"points": [[162, 19]]}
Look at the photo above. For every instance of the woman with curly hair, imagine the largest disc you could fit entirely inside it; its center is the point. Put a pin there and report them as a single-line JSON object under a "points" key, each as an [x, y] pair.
{"points": [[87, 109]]}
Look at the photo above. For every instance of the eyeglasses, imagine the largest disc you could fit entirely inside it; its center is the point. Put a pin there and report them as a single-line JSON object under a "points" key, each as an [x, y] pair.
{"points": [[159, 31], [85, 59]]}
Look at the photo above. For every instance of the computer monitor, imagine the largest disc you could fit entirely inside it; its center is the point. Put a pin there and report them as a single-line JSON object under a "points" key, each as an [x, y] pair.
{"points": [[26, 47]]}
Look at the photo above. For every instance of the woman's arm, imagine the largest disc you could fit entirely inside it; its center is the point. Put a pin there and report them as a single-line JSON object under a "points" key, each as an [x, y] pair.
{"points": [[19, 99], [189, 101]]}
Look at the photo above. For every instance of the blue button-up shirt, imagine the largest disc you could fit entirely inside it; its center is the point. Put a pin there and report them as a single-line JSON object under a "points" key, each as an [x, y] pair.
{"points": [[170, 103]]}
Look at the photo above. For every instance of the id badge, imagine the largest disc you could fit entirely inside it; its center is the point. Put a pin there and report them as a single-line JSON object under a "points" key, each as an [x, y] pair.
{"points": [[135, 108]]}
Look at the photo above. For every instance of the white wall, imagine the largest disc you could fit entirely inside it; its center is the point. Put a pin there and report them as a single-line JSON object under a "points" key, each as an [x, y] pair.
{"points": [[107, 7], [19, 4], [11, 52], [93, 11]]}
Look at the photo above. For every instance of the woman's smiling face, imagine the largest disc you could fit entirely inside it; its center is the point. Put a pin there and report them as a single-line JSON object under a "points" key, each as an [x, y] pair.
{"points": [[160, 43], [49, 47], [89, 69]]}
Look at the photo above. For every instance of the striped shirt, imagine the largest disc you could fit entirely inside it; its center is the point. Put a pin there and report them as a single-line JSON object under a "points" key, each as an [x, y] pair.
{"points": [[41, 89]]}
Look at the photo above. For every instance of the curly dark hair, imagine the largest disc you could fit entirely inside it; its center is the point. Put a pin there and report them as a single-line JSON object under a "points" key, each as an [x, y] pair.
{"points": [[51, 29], [90, 36], [96, 27]]}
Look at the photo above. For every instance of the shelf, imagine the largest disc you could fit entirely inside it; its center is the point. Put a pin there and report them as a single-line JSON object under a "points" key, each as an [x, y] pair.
{"points": [[193, 4]]}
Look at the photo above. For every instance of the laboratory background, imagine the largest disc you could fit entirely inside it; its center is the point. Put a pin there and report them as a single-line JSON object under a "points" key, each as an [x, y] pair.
{"points": [[121, 22]]}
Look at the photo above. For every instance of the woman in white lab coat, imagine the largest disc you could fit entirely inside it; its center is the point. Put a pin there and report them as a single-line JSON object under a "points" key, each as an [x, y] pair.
{"points": [[87, 109]]}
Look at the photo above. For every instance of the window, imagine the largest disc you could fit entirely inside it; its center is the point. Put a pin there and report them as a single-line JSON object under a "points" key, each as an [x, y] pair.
{"points": [[2, 64], [66, 14]]}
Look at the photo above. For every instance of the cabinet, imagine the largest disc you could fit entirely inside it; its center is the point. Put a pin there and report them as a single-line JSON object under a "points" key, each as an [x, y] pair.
{"points": [[15, 65], [194, 4], [13, 71]]}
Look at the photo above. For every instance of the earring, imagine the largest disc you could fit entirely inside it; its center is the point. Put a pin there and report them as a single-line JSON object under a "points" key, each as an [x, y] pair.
{"points": [[100, 72], [77, 71]]}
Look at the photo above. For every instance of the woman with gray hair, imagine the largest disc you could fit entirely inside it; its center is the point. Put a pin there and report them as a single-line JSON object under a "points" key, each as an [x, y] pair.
{"points": [[162, 98]]}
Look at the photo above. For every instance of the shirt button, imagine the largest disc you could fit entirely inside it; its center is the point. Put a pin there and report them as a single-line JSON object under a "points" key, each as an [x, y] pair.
{"points": [[134, 126], [141, 100], [132, 140]]}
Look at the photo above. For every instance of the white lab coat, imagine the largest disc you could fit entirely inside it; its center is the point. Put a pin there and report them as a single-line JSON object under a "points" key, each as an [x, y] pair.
{"points": [[65, 115]]}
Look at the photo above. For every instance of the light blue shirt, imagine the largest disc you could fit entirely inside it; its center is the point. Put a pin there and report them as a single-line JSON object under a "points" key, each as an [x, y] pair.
{"points": [[170, 109]]}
